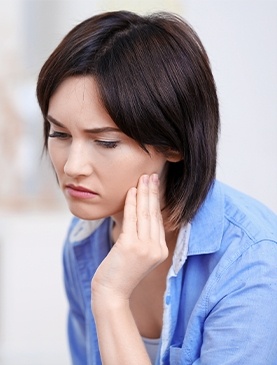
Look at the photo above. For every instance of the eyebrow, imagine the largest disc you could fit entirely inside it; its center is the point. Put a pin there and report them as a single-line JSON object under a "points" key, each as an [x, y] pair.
{"points": [[89, 130]]}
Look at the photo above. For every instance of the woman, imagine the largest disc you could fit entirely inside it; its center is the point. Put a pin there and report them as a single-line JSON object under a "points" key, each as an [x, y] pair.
{"points": [[163, 264]]}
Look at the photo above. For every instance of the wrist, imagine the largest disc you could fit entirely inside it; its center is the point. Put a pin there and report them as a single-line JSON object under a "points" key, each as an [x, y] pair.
{"points": [[106, 303]]}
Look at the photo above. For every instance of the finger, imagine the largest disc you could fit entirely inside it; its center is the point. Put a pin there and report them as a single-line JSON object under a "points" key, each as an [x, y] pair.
{"points": [[143, 215], [129, 225], [156, 226]]}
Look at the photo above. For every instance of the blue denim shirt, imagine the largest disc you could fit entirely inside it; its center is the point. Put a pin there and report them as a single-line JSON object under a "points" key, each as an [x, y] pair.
{"points": [[220, 304]]}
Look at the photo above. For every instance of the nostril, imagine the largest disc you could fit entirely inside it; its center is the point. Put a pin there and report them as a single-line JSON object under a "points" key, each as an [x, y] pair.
{"points": [[77, 167]]}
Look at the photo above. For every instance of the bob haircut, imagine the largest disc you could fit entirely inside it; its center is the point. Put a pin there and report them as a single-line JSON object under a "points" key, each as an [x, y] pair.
{"points": [[155, 81]]}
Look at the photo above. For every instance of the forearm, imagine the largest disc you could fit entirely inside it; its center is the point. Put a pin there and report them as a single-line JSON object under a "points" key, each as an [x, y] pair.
{"points": [[140, 248], [119, 339]]}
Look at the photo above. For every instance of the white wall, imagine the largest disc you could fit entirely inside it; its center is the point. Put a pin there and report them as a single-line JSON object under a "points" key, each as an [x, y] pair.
{"points": [[241, 40], [33, 307]]}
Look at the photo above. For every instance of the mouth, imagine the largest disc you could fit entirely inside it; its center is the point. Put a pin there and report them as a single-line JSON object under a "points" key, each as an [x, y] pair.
{"points": [[79, 192]]}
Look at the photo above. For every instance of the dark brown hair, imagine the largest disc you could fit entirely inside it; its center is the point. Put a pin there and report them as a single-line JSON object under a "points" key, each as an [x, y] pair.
{"points": [[156, 83]]}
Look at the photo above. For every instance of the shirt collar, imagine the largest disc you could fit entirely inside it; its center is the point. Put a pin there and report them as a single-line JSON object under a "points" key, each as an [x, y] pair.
{"points": [[208, 224], [83, 229], [181, 249], [204, 234], [201, 236]]}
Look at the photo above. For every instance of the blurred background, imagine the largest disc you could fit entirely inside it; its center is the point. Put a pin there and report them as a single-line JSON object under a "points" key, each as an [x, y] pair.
{"points": [[240, 38]]}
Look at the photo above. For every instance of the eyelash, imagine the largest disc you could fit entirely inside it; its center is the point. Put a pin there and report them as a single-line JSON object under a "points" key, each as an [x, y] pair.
{"points": [[105, 144], [108, 144], [58, 135]]}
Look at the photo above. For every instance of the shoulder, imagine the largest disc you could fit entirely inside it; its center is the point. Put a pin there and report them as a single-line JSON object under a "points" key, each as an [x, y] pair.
{"points": [[249, 215], [248, 238], [234, 244], [232, 271], [227, 217]]}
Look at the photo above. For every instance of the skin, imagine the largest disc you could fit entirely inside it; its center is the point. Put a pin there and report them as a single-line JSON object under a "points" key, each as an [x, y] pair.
{"points": [[108, 163], [88, 151]]}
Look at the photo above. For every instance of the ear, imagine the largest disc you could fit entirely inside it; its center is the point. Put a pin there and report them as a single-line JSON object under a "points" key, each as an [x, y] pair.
{"points": [[173, 156]]}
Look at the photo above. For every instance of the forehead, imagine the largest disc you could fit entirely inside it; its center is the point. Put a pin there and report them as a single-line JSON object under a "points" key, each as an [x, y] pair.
{"points": [[81, 89], [77, 99]]}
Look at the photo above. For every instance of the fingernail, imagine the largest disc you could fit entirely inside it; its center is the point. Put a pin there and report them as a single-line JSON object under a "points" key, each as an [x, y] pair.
{"points": [[155, 179], [133, 191], [146, 179]]}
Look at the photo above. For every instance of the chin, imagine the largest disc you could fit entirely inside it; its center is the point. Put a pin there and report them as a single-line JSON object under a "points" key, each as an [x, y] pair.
{"points": [[85, 214], [90, 213]]}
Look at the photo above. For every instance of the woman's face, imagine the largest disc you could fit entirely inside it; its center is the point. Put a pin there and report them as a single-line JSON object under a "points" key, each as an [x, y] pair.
{"points": [[96, 164]]}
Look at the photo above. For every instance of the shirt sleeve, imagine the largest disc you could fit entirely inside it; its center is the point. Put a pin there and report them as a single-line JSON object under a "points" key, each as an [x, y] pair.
{"points": [[76, 316], [241, 322]]}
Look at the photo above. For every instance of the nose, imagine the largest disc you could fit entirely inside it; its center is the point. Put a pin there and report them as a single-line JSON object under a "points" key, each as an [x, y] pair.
{"points": [[78, 162]]}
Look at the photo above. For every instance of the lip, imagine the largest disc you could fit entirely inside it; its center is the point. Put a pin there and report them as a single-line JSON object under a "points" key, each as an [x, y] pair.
{"points": [[79, 192]]}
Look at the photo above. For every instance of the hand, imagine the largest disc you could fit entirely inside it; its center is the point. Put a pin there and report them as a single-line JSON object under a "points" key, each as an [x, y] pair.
{"points": [[140, 246]]}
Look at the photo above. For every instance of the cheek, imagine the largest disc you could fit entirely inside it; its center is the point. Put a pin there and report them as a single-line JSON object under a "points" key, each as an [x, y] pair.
{"points": [[127, 176], [56, 158]]}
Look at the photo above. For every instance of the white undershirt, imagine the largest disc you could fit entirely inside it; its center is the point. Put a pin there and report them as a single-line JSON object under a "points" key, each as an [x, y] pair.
{"points": [[152, 346]]}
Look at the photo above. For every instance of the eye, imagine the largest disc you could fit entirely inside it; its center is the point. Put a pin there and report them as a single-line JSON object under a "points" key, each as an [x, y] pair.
{"points": [[58, 135], [108, 144]]}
